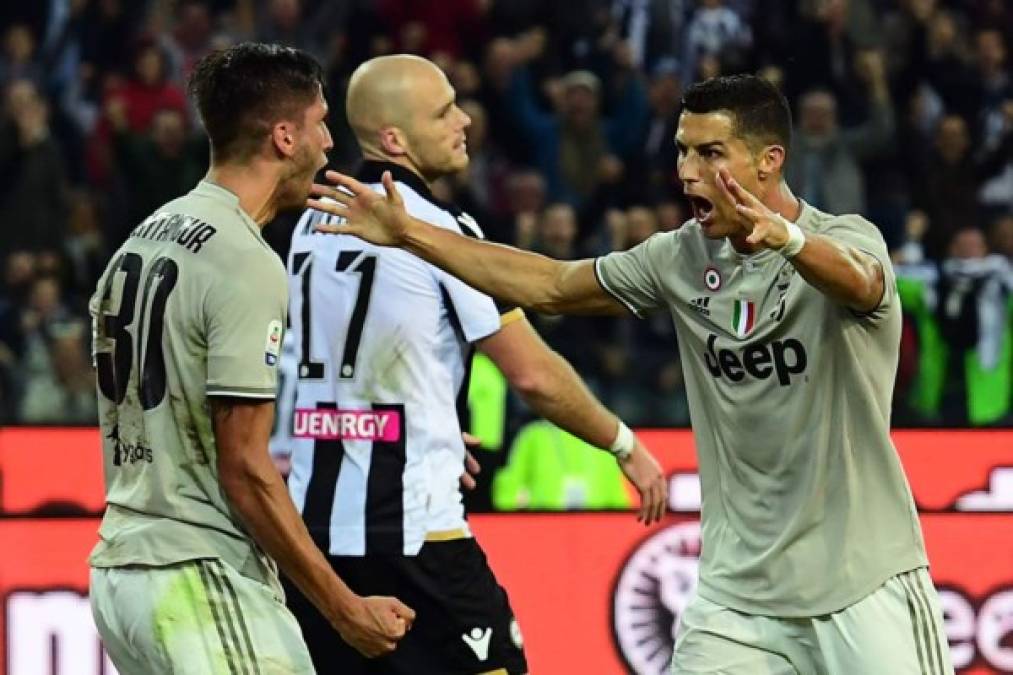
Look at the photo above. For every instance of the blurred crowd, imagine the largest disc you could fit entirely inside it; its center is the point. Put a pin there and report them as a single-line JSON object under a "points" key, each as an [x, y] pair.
{"points": [[903, 112]]}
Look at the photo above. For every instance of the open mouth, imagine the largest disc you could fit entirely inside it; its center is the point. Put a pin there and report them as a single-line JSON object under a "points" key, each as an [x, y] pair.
{"points": [[703, 208]]}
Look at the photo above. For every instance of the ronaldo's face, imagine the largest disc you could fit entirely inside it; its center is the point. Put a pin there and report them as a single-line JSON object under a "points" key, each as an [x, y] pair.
{"points": [[436, 140], [706, 143]]}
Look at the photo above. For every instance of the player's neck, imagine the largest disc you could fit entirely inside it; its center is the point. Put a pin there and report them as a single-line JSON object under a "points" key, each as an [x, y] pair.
{"points": [[256, 189], [784, 202], [401, 161]]}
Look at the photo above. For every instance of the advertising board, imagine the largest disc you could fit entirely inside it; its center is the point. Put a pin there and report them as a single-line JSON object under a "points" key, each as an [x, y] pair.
{"points": [[594, 592]]}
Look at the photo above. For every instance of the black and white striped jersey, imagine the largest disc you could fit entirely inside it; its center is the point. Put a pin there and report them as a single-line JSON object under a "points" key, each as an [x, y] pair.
{"points": [[384, 344]]}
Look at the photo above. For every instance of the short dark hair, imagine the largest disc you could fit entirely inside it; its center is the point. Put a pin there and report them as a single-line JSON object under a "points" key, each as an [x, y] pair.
{"points": [[243, 90], [758, 110]]}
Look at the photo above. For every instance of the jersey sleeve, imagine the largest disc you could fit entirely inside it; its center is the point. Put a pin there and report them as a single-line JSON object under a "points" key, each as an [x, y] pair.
{"points": [[474, 313], [245, 324], [863, 235], [630, 276]]}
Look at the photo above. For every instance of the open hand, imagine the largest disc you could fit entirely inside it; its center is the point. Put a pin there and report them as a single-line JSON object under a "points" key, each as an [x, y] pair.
{"points": [[645, 473], [379, 219], [765, 227]]}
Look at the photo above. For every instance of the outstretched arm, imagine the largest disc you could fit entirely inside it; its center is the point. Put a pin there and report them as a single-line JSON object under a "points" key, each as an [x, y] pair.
{"points": [[517, 277]]}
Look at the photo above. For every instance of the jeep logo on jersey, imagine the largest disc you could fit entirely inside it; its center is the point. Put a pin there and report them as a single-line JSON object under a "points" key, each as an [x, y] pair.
{"points": [[784, 357]]}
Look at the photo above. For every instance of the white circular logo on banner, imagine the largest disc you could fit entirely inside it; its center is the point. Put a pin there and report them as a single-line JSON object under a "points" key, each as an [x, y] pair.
{"points": [[654, 588], [712, 278]]}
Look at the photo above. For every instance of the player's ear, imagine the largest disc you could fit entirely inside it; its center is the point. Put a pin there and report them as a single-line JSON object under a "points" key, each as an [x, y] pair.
{"points": [[283, 137], [393, 141], [771, 161]]}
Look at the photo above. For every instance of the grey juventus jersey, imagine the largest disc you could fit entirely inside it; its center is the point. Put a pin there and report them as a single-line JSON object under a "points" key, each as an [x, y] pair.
{"points": [[191, 306], [806, 508]]}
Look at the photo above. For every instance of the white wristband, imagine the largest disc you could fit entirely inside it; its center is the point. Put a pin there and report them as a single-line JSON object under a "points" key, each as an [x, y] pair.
{"points": [[625, 441], [796, 240]]}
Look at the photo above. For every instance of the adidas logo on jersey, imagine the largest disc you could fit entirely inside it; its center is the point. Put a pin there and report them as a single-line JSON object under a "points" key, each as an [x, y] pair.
{"points": [[759, 360], [701, 305]]}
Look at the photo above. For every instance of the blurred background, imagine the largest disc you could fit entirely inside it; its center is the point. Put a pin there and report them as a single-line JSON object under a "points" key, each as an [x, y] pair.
{"points": [[903, 113]]}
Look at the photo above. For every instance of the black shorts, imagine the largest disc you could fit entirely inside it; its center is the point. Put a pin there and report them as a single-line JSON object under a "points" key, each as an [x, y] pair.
{"points": [[463, 623]]}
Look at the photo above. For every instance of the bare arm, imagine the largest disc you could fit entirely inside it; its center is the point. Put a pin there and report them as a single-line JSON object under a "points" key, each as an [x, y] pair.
{"points": [[256, 491], [847, 274], [517, 277], [549, 384]]}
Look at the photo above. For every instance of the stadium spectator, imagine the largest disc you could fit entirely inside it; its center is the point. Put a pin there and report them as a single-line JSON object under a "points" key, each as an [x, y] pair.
{"points": [[991, 59], [821, 37], [526, 193], [575, 148], [976, 325], [653, 169], [18, 273], [18, 60], [157, 164], [715, 31], [39, 319], [948, 185], [911, 250], [1001, 236], [500, 57], [481, 188], [190, 37], [825, 166], [102, 29], [450, 27], [84, 247], [652, 29], [286, 22], [947, 64], [64, 391], [147, 91], [32, 204]]}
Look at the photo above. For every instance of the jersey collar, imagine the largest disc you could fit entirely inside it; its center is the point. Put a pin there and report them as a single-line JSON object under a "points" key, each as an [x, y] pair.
{"points": [[206, 188], [372, 170], [215, 192]]}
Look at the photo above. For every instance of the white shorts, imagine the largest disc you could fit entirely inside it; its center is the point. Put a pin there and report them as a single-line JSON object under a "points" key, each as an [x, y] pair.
{"points": [[200, 617], [896, 630]]}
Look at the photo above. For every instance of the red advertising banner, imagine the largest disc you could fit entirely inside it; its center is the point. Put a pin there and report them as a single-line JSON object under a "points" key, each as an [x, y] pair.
{"points": [[594, 592]]}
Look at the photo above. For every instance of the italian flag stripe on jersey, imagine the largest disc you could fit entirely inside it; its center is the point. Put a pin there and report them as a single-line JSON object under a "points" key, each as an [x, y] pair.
{"points": [[744, 317]]}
